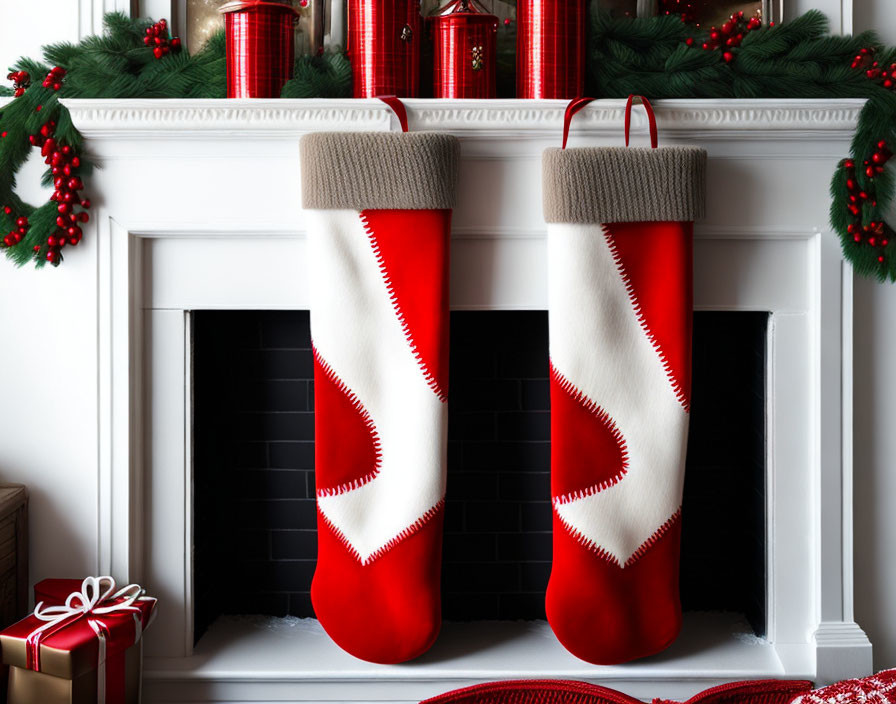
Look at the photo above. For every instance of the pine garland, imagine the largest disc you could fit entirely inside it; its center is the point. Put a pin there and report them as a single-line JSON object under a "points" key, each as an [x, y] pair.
{"points": [[116, 64], [662, 57], [326, 76]]}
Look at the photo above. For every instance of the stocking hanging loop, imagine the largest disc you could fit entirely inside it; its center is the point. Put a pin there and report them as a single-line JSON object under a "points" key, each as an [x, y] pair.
{"points": [[574, 106], [651, 118], [398, 108], [577, 104]]}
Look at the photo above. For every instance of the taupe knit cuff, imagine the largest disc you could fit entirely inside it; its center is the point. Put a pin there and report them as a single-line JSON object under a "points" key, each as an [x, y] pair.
{"points": [[379, 170], [620, 184]]}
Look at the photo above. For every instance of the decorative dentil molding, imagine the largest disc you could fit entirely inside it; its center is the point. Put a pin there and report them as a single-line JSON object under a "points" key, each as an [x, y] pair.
{"points": [[123, 119]]}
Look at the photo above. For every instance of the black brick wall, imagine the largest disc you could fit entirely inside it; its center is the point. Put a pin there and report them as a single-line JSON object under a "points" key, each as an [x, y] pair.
{"points": [[254, 466]]}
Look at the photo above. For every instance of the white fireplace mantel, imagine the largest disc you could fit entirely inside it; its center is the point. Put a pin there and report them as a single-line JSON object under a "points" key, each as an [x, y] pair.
{"points": [[197, 207]]}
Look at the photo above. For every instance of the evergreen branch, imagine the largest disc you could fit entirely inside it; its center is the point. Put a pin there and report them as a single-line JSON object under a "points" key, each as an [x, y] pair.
{"points": [[326, 76], [648, 56]]}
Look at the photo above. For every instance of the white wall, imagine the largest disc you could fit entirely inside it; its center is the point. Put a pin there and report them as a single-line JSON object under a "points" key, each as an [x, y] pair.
{"points": [[875, 425], [48, 382], [834, 9], [47, 357]]}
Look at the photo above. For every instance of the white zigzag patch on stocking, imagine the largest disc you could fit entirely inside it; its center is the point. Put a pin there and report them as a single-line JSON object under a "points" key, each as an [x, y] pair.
{"points": [[598, 344], [359, 336]]}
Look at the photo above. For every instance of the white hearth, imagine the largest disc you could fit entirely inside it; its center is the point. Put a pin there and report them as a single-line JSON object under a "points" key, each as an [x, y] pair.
{"points": [[199, 208]]}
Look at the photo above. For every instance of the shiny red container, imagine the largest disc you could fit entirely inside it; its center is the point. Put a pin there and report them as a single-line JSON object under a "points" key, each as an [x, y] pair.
{"points": [[464, 38], [383, 45], [550, 48], [260, 40]]}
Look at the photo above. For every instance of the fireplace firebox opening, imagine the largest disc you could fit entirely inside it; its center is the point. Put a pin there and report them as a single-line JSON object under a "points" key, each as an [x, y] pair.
{"points": [[253, 428]]}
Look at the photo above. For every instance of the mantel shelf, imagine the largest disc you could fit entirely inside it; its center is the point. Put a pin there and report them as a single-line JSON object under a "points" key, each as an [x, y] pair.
{"points": [[237, 119]]}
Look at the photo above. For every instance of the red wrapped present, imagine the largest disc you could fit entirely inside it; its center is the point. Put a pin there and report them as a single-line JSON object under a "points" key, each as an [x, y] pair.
{"points": [[81, 644]]}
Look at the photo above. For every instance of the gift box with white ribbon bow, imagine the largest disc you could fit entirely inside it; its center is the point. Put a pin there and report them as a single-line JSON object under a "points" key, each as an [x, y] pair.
{"points": [[81, 644]]}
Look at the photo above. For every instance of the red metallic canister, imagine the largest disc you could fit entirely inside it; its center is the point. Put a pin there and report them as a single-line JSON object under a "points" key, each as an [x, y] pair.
{"points": [[260, 47], [383, 46], [550, 48], [464, 38]]}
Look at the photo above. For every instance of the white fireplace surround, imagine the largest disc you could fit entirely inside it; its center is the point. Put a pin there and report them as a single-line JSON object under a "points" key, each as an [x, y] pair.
{"points": [[198, 207]]}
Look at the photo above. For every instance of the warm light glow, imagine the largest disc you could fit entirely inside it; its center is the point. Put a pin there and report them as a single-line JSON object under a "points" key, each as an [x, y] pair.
{"points": [[204, 19]]}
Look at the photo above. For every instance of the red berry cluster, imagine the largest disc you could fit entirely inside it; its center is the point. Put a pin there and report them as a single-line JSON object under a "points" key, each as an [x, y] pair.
{"points": [[864, 58], [14, 237], [685, 8], [158, 38], [62, 161], [730, 35], [882, 75], [21, 80], [54, 78], [874, 233], [875, 165]]}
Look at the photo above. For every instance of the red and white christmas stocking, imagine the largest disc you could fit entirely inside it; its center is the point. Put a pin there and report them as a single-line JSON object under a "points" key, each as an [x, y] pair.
{"points": [[620, 228], [378, 208]]}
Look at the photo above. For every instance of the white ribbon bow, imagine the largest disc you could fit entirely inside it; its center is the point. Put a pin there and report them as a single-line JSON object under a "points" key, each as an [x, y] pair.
{"points": [[90, 599], [97, 597]]}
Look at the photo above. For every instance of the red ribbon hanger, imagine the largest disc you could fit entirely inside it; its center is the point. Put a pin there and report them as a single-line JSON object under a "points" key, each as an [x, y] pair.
{"points": [[651, 118], [577, 104], [398, 108], [574, 106]]}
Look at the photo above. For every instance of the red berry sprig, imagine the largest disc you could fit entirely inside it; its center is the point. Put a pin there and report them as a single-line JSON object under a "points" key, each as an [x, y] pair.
{"points": [[21, 80], [63, 162], [875, 165], [864, 58], [882, 75], [160, 40], [730, 35], [886, 76], [54, 78], [14, 237], [874, 234]]}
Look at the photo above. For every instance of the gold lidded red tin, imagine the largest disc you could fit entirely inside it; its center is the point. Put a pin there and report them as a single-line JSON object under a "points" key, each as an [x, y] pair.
{"points": [[260, 39], [383, 46], [464, 50]]}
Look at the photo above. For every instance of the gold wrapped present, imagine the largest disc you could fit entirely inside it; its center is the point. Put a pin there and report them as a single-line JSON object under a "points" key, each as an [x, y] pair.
{"points": [[86, 649]]}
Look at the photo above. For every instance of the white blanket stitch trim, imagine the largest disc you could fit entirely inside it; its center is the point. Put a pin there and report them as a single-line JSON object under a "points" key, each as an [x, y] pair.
{"points": [[604, 418], [365, 418], [599, 344], [358, 334], [430, 377], [636, 305]]}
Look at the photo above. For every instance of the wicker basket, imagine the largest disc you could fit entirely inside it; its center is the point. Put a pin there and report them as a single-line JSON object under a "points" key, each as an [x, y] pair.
{"points": [[13, 553]]}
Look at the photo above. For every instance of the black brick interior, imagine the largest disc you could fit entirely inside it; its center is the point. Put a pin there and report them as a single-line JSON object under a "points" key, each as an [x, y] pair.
{"points": [[254, 510]]}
